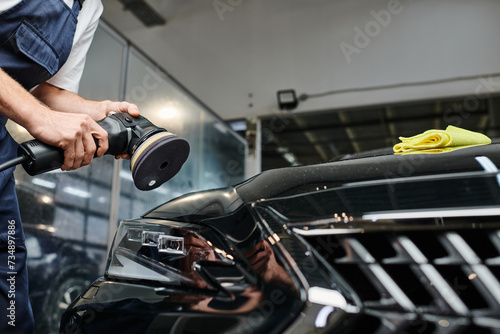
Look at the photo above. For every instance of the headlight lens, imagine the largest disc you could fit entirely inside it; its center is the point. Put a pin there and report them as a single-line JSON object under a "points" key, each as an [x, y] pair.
{"points": [[164, 251]]}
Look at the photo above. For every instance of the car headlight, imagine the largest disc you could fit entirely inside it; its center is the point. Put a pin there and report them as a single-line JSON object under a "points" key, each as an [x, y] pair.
{"points": [[165, 251], [165, 243]]}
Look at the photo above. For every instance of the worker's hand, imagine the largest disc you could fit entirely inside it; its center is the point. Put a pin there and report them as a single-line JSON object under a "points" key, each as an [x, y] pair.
{"points": [[122, 107], [77, 142], [75, 134]]}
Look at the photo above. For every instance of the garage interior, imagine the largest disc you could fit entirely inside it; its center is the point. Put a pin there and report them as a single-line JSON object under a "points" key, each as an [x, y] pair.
{"points": [[365, 72], [368, 70]]}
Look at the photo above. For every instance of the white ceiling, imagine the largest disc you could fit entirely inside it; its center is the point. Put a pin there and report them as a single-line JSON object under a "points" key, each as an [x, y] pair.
{"points": [[236, 60]]}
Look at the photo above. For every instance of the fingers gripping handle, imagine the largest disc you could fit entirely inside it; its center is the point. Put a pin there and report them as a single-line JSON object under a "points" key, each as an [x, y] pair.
{"points": [[41, 158]]}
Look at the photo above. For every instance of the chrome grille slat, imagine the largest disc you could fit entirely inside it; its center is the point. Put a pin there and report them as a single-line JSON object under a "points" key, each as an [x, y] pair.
{"points": [[461, 247], [485, 281], [384, 283], [494, 261], [439, 286], [494, 324], [425, 323], [447, 279], [407, 252], [494, 237]]}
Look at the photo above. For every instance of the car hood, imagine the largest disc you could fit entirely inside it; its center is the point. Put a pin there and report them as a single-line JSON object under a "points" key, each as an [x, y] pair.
{"points": [[370, 175]]}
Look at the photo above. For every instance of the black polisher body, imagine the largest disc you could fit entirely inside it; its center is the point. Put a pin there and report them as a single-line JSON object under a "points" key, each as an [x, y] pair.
{"points": [[156, 154]]}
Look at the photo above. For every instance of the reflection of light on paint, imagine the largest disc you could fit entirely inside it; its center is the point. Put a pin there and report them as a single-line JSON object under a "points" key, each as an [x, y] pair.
{"points": [[322, 317], [444, 213], [488, 165], [327, 231], [326, 297], [472, 276], [290, 157], [167, 112]]}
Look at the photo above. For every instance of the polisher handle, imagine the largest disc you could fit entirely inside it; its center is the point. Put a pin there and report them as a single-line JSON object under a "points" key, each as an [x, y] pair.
{"points": [[40, 157]]}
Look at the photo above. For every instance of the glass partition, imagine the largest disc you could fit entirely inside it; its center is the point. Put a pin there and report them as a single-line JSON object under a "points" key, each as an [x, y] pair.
{"points": [[223, 155], [168, 106], [217, 154]]}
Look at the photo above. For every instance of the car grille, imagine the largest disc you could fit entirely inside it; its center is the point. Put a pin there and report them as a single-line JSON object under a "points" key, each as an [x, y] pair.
{"points": [[425, 281]]}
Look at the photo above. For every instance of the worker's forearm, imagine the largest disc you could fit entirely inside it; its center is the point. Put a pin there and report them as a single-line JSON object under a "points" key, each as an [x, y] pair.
{"points": [[60, 118], [74, 133], [17, 104], [66, 101]]}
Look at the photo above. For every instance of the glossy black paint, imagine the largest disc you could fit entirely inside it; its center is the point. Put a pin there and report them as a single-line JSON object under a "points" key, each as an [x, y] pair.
{"points": [[326, 226], [299, 180], [243, 294]]}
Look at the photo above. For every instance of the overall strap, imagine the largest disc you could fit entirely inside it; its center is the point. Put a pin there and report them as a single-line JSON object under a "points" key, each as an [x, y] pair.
{"points": [[36, 40]]}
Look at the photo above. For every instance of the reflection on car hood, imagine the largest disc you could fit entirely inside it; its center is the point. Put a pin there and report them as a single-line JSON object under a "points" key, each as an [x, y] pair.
{"points": [[365, 178]]}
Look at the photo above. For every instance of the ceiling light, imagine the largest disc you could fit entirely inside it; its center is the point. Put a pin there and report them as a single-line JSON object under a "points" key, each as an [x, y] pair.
{"points": [[287, 99], [144, 12], [240, 125]]}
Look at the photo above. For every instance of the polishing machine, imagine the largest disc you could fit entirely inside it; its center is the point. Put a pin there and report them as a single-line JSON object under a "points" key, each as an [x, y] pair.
{"points": [[156, 155]]}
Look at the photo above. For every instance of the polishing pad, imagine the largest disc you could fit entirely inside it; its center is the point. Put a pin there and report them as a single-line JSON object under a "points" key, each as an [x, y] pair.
{"points": [[158, 159]]}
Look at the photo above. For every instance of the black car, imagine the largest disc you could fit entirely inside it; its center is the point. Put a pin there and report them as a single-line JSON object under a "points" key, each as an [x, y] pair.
{"points": [[380, 243]]}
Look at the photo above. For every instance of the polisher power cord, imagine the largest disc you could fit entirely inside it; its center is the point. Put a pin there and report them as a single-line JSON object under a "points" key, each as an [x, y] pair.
{"points": [[12, 163], [156, 154]]}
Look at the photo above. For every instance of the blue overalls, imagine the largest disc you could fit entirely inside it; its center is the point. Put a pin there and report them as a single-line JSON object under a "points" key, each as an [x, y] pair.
{"points": [[36, 37]]}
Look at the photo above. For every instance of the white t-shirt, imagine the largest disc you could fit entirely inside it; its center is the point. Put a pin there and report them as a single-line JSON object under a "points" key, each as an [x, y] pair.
{"points": [[70, 74]]}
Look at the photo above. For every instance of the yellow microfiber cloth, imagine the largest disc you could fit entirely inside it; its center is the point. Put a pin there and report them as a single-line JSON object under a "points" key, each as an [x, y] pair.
{"points": [[433, 139]]}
